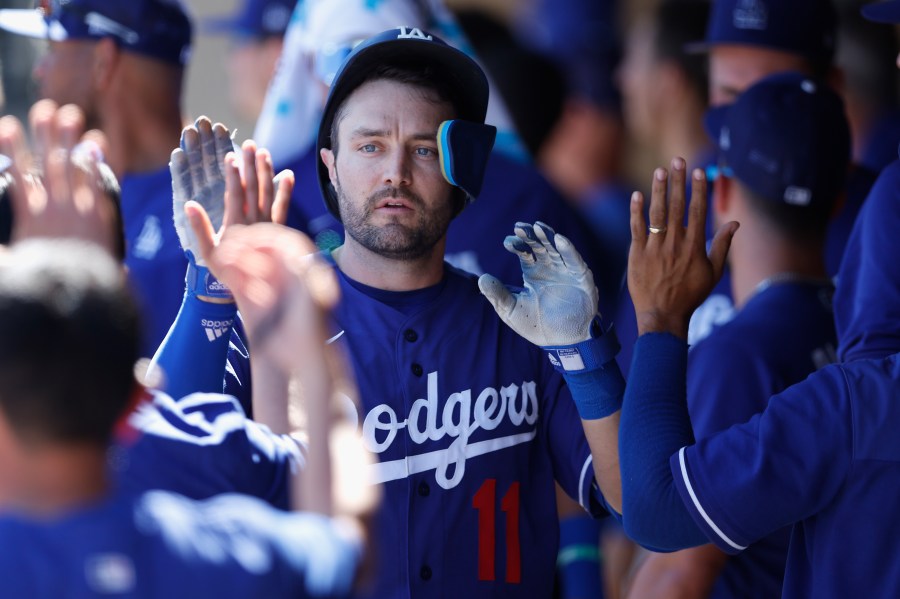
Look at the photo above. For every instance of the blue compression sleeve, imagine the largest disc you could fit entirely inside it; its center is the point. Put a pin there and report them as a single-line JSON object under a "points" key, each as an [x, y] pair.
{"points": [[193, 354], [578, 562], [655, 424]]}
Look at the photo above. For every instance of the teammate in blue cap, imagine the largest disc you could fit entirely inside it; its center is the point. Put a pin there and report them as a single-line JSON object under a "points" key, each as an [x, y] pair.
{"points": [[784, 146], [122, 63], [470, 423], [256, 30]]}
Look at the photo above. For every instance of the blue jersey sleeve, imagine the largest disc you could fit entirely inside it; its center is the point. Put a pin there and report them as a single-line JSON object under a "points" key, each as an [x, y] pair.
{"points": [[780, 467], [204, 445]]}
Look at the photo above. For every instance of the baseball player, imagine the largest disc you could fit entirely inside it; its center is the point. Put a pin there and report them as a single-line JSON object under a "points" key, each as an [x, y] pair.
{"points": [[511, 185], [784, 328], [122, 63], [470, 423], [821, 457]]}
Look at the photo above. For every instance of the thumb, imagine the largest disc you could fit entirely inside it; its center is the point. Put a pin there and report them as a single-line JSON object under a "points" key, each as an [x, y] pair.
{"points": [[718, 250], [496, 292], [203, 229]]}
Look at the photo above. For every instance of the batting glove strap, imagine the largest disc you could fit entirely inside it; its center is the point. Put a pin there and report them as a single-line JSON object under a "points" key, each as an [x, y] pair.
{"points": [[588, 355], [199, 281], [592, 374]]}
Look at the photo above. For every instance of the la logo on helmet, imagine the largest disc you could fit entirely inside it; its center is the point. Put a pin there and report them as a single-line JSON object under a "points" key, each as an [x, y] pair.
{"points": [[414, 33]]}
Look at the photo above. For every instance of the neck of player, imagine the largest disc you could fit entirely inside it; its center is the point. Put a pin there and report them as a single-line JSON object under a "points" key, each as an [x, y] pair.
{"points": [[391, 274], [63, 478]]}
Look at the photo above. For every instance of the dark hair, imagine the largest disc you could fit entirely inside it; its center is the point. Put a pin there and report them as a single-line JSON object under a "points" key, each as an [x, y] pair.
{"points": [[69, 331], [6, 215], [801, 223], [680, 22]]}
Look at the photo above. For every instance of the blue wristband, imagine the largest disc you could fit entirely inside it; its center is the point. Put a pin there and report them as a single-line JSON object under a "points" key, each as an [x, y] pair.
{"points": [[592, 374], [199, 281]]}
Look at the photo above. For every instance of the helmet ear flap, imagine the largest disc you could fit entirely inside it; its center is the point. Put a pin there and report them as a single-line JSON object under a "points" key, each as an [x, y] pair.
{"points": [[464, 148]]}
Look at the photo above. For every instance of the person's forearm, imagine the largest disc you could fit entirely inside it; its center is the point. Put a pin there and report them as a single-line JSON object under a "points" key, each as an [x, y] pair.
{"points": [[192, 356], [654, 425]]}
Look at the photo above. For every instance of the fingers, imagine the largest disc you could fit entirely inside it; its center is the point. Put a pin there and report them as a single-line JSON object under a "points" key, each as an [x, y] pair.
{"points": [[696, 228], [525, 232], [514, 245], [203, 230], [209, 158], [718, 251], [638, 225], [575, 264], [182, 185], [251, 181], [658, 200], [546, 235], [676, 198], [190, 144], [285, 183], [42, 121], [234, 193], [496, 292], [223, 142], [265, 174]]}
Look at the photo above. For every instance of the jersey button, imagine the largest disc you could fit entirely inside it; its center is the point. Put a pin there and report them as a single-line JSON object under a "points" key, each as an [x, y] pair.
{"points": [[424, 489], [417, 369], [425, 573], [410, 335]]}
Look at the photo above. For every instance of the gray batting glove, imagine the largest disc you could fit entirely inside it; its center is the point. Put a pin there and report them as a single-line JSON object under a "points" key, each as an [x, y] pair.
{"points": [[198, 173], [559, 302]]}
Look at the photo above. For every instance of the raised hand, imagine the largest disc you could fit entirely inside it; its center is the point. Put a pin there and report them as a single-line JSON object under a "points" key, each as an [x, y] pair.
{"points": [[56, 190], [669, 271], [559, 301]]}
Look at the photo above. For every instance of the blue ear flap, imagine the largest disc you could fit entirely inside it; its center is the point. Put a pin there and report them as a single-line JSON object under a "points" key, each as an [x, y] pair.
{"points": [[464, 148]]}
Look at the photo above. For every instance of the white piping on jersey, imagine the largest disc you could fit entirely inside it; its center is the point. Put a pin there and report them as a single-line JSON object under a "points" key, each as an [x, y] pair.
{"points": [[383, 472], [712, 525], [584, 469], [335, 338]]}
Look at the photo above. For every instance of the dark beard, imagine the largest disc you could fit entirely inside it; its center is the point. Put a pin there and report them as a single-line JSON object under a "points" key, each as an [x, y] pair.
{"points": [[395, 241]]}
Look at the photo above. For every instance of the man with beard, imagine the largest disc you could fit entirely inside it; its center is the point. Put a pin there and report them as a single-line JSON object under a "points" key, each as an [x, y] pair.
{"points": [[471, 424]]}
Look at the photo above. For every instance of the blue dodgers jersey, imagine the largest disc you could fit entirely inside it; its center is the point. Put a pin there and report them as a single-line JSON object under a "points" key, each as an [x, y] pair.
{"points": [[867, 299], [153, 254], [512, 191], [824, 455], [162, 545], [471, 425], [780, 336], [203, 445]]}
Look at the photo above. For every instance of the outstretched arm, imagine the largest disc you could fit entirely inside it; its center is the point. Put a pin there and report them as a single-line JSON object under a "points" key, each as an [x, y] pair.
{"points": [[231, 190], [558, 311], [669, 275]]}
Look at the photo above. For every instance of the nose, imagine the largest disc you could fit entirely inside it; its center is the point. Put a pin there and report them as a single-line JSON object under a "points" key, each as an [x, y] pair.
{"points": [[397, 171]]}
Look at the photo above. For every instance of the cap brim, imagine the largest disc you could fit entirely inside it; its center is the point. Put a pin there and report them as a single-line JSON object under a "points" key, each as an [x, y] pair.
{"points": [[883, 12], [714, 120], [24, 21]]}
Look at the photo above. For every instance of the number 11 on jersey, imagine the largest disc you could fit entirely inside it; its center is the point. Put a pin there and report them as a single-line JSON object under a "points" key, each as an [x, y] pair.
{"points": [[485, 502]]}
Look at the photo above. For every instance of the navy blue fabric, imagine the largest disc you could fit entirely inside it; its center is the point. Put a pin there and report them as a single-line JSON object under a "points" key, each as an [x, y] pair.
{"points": [[162, 545], [825, 456], [654, 425], [153, 254], [254, 18], [200, 446], [516, 425], [780, 336], [867, 299]]}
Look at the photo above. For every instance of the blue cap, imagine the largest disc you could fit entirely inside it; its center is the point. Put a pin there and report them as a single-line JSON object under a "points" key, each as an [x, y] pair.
{"points": [[407, 46], [786, 138], [160, 29], [256, 18], [883, 12], [807, 28]]}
